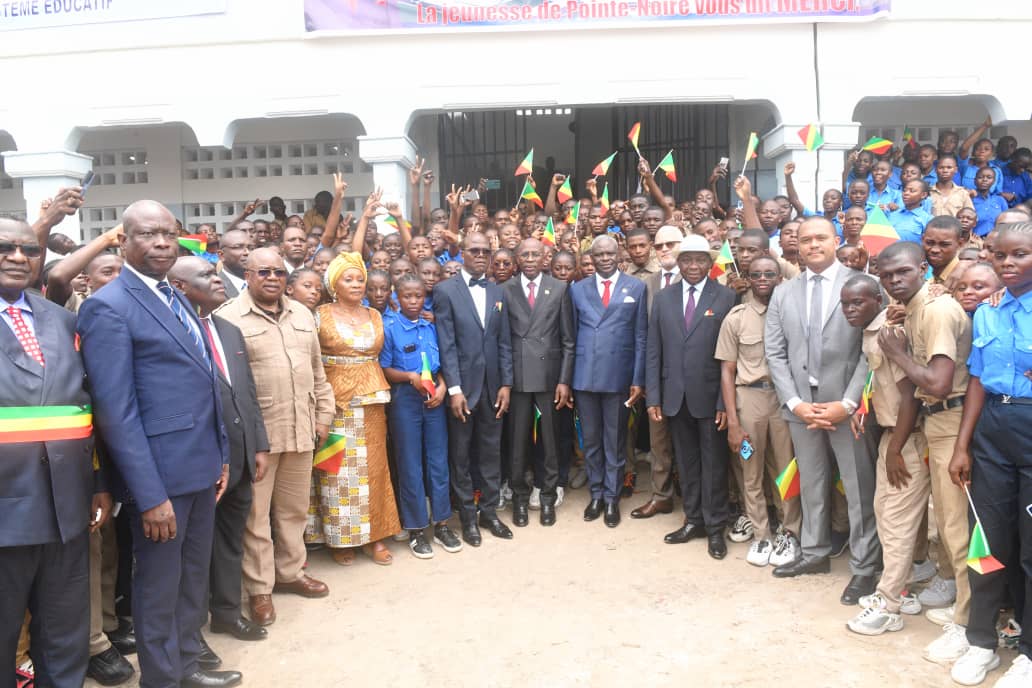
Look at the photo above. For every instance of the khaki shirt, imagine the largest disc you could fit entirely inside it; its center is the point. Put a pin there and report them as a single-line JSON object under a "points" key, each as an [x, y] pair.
{"points": [[293, 393], [650, 268], [939, 327], [884, 393], [312, 218], [949, 203], [788, 270], [741, 340]]}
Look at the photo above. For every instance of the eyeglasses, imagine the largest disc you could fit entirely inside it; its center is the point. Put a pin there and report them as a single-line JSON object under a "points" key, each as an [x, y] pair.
{"points": [[478, 251], [266, 273], [669, 244], [769, 274], [7, 248]]}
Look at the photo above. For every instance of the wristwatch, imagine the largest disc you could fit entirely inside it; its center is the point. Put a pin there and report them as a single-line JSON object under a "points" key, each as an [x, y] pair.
{"points": [[849, 405]]}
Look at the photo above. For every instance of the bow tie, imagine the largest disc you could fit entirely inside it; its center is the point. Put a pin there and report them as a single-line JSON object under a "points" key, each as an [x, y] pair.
{"points": [[474, 282]]}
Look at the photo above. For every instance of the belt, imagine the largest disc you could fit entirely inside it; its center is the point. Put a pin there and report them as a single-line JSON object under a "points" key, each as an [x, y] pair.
{"points": [[347, 360], [759, 384], [1008, 399], [930, 409]]}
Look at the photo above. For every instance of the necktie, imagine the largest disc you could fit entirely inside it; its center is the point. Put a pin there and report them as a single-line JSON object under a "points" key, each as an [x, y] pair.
{"points": [[689, 308], [474, 282], [667, 278], [816, 325], [530, 293], [177, 308], [25, 336], [214, 349], [605, 293]]}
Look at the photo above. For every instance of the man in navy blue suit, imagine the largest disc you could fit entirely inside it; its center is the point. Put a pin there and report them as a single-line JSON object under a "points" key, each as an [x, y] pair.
{"points": [[157, 405], [609, 371]]}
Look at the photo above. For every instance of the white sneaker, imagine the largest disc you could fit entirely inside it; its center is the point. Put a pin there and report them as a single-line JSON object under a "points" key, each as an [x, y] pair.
{"points": [[1019, 675], [535, 498], [939, 593], [940, 616], [949, 647], [921, 572], [759, 552], [742, 530], [786, 549], [504, 495], [874, 619], [971, 668], [909, 604], [559, 494]]}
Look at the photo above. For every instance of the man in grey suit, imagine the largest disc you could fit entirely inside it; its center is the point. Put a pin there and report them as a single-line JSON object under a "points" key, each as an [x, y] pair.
{"points": [[541, 323], [236, 245], [818, 370]]}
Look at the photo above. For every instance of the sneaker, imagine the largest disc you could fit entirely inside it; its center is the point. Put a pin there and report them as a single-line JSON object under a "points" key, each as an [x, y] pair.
{"points": [[874, 619], [909, 604], [839, 543], [949, 647], [921, 571], [940, 616], [421, 549], [535, 498], [759, 552], [742, 530], [1010, 634], [973, 665], [786, 549], [444, 536], [559, 494], [1019, 675], [939, 593]]}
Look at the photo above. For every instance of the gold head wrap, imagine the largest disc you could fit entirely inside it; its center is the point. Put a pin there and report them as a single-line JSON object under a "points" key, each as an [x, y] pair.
{"points": [[339, 265]]}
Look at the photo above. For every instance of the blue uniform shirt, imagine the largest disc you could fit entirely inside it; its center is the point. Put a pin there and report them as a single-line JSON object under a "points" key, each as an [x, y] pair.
{"points": [[1018, 184], [889, 195], [909, 224], [834, 219], [404, 341], [968, 170], [895, 180], [1001, 347], [987, 207]]}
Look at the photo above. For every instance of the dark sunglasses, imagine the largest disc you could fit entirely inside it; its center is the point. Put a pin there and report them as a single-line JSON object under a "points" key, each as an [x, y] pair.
{"points": [[770, 274], [266, 273], [478, 251], [8, 248]]}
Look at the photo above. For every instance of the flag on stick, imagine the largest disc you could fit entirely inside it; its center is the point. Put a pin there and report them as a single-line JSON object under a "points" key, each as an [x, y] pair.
{"points": [[331, 455], [605, 198], [723, 259], [565, 192], [603, 167], [865, 396], [908, 138], [530, 194], [788, 481], [195, 243], [979, 557], [750, 149], [537, 422], [548, 237], [426, 377], [877, 145], [574, 215], [527, 166], [632, 136], [667, 165], [811, 137], [878, 232]]}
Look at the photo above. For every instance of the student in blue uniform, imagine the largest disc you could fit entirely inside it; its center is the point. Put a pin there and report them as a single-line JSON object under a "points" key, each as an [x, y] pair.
{"points": [[987, 204], [993, 458], [416, 420]]}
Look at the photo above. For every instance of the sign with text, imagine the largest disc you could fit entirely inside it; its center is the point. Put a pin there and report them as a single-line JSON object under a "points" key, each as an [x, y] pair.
{"points": [[41, 14], [359, 16]]}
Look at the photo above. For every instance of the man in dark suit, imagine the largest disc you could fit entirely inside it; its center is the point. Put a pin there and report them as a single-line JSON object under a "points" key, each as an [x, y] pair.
{"points": [[50, 495], [683, 383], [476, 360], [157, 404], [248, 443], [608, 372], [541, 322], [235, 247]]}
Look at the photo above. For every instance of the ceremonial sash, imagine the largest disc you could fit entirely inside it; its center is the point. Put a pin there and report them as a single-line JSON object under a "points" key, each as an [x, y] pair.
{"points": [[45, 423]]}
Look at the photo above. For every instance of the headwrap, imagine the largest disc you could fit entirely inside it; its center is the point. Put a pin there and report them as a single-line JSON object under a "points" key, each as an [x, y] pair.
{"points": [[340, 264]]}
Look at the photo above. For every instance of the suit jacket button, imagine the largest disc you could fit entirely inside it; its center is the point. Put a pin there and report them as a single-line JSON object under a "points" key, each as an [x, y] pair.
{"points": [[45, 460], [236, 421]]}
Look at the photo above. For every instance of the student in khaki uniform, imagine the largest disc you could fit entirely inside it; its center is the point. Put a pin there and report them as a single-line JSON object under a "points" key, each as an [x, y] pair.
{"points": [[938, 333], [753, 414], [903, 484]]}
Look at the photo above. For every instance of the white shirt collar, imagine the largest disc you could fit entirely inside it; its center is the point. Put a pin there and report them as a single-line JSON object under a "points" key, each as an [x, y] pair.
{"points": [[466, 277], [829, 273], [22, 303], [524, 281], [612, 279], [237, 282], [698, 287], [149, 281]]}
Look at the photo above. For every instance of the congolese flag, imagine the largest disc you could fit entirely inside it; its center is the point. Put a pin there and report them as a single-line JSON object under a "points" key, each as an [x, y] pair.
{"points": [[603, 167], [788, 481], [878, 145], [633, 135], [195, 243], [331, 455], [979, 557], [750, 148], [811, 137], [565, 191], [426, 377], [530, 194], [877, 232], [723, 259], [527, 166], [574, 215], [45, 423], [667, 165], [548, 237], [865, 396], [604, 201]]}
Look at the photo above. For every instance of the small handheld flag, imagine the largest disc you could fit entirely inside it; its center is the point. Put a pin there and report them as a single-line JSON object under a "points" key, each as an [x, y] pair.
{"points": [[530, 194], [426, 377], [811, 137], [723, 259], [632, 136], [877, 145], [605, 198], [548, 237], [574, 215], [865, 396], [603, 167], [750, 149], [667, 165], [788, 481], [537, 422], [979, 557], [195, 243], [527, 166], [331, 455], [878, 232], [908, 138], [565, 192]]}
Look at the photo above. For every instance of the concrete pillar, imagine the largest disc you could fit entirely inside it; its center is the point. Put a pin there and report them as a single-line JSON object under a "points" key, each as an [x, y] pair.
{"points": [[818, 171], [42, 174], [391, 158]]}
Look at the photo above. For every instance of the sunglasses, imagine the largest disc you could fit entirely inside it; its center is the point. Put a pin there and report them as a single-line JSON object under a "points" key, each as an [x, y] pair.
{"points": [[478, 251], [8, 248], [770, 274], [266, 273]]}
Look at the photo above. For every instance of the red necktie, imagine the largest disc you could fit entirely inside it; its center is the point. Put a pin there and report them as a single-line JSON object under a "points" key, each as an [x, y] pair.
{"points": [[530, 293], [605, 293], [214, 349], [25, 336]]}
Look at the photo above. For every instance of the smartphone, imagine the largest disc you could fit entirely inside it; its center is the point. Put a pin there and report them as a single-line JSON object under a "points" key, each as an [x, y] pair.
{"points": [[723, 163], [493, 184], [471, 196], [746, 451], [86, 181]]}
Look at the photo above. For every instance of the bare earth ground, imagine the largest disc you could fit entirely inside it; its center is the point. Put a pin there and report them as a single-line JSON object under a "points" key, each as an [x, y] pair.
{"points": [[578, 604]]}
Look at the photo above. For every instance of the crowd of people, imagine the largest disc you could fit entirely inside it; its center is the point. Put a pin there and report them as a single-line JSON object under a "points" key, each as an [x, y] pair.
{"points": [[186, 423]]}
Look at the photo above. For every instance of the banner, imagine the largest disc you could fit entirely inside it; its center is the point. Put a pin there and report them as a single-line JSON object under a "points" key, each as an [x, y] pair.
{"points": [[40, 14], [413, 16]]}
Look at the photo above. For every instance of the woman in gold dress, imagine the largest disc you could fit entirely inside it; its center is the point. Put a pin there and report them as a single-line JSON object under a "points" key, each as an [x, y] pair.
{"points": [[355, 505]]}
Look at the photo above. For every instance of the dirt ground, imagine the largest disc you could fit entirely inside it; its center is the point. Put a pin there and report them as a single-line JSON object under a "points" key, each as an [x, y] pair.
{"points": [[578, 604]]}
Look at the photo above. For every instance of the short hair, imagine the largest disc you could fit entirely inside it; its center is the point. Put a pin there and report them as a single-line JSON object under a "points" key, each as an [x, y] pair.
{"points": [[923, 183], [845, 247], [1021, 151], [905, 249], [943, 156], [409, 280], [378, 273], [400, 259], [1015, 228], [637, 231], [945, 222], [859, 181], [564, 255], [324, 195], [772, 259], [757, 234], [293, 277], [866, 283], [638, 195], [928, 146], [428, 261]]}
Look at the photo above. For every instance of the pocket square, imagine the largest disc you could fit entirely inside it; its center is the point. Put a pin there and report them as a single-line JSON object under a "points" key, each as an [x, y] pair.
{"points": [[628, 299], [708, 313]]}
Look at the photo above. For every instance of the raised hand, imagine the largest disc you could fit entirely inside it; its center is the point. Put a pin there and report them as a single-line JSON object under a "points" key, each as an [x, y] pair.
{"points": [[743, 189], [416, 171], [558, 179], [373, 203], [643, 168], [789, 169], [592, 186], [339, 185]]}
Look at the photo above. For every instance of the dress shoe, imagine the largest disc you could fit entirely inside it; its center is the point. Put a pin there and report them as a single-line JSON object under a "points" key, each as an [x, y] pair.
{"points": [[653, 507], [684, 534], [124, 637], [471, 534], [629, 482], [717, 548], [240, 628], [262, 611], [857, 588], [305, 586], [839, 543], [495, 526], [212, 679], [547, 514], [802, 567], [593, 510], [208, 660], [520, 515], [109, 668], [612, 518]]}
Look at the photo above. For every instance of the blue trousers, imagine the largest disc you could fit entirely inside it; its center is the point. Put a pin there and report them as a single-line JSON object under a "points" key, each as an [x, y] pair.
{"points": [[604, 422], [421, 451]]}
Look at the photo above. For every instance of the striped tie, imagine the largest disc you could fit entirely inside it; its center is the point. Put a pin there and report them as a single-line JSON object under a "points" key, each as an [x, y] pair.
{"points": [[184, 319]]}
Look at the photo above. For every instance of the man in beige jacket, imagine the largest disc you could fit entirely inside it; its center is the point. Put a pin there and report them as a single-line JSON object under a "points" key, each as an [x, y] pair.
{"points": [[297, 405]]}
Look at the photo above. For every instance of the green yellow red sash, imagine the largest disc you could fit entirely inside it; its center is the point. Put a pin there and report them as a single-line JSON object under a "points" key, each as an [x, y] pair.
{"points": [[45, 423]]}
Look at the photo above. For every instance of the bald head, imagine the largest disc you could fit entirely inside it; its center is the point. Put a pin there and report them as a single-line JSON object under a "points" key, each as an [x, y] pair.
{"points": [[142, 212], [199, 282], [186, 267], [266, 290]]}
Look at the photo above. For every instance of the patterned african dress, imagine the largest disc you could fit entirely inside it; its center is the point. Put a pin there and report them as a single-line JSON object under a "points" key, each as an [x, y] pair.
{"points": [[355, 505]]}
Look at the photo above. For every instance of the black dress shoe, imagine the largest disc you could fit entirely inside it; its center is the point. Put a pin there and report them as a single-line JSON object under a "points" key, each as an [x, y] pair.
{"points": [[495, 526], [547, 514], [802, 567], [717, 547], [839, 543], [212, 679], [123, 637], [857, 588], [471, 534], [612, 517], [684, 534], [520, 515], [593, 510], [208, 660], [241, 629], [109, 668]]}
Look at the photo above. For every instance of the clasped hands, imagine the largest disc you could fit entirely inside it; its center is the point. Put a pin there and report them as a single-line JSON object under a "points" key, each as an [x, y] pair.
{"points": [[821, 415]]}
